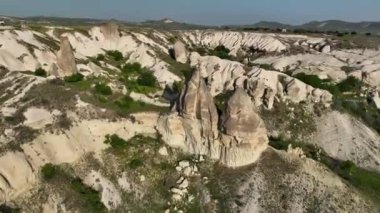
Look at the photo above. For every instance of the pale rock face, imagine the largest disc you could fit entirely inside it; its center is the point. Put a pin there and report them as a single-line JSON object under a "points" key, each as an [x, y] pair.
{"points": [[65, 59], [15, 173], [326, 49], [195, 129], [265, 87], [376, 99], [18, 170], [234, 40], [373, 78], [180, 52], [245, 133], [110, 31], [347, 138], [37, 118], [110, 196], [196, 103], [303, 182], [220, 74]]}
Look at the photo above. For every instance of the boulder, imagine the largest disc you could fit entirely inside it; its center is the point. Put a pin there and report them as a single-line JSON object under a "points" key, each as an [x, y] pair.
{"points": [[65, 59], [180, 52], [326, 49]]}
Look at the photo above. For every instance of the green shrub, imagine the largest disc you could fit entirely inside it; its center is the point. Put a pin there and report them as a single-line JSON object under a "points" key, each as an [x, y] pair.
{"points": [[7, 209], [138, 79], [147, 79], [221, 51], [135, 163], [266, 66], [201, 50], [131, 68], [125, 102], [116, 55], [74, 78], [40, 72], [316, 82], [116, 142], [90, 197], [100, 57], [103, 89], [350, 84], [49, 171]]}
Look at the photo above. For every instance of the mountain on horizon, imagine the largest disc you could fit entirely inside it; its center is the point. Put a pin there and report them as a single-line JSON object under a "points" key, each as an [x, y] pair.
{"points": [[328, 25], [171, 24]]}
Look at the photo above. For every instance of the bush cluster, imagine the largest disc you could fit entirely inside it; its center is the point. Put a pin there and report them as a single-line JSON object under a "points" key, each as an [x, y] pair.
{"points": [[40, 72], [221, 51], [115, 55], [74, 78], [138, 79], [103, 89]]}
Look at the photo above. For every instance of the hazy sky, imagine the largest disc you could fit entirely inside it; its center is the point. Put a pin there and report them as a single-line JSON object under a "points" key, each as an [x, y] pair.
{"points": [[214, 12]]}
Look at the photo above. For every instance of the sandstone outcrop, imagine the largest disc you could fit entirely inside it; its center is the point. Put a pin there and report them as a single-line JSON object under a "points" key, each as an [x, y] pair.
{"points": [[110, 31], [264, 86], [194, 128], [234, 40], [65, 59], [245, 135], [180, 52]]}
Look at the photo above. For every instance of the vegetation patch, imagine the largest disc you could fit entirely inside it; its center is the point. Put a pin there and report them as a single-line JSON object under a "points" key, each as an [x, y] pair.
{"points": [[40, 72], [139, 156], [138, 79], [221, 51], [290, 120], [115, 55], [74, 78], [103, 89], [76, 195]]}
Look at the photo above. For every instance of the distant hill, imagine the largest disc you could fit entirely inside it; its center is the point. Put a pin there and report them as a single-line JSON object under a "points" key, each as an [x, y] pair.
{"points": [[170, 24], [333, 25], [266, 24], [329, 25]]}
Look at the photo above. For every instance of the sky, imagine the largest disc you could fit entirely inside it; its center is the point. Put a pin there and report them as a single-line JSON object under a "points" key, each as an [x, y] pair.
{"points": [[207, 12]]}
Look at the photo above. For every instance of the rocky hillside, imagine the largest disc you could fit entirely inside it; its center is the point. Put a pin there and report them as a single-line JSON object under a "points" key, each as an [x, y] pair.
{"points": [[109, 118]]}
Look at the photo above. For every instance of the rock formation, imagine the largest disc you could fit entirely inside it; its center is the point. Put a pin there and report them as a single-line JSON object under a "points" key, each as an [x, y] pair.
{"points": [[245, 135], [326, 49], [180, 52], [110, 31], [65, 59], [195, 128], [262, 85]]}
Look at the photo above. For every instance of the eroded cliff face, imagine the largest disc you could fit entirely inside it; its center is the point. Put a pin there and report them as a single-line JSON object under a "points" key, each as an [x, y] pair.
{"points": [[264, 86], [65, 59], [194, 128]]}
